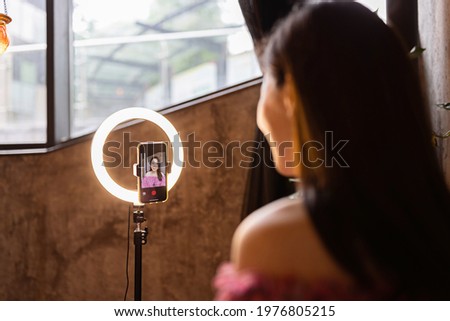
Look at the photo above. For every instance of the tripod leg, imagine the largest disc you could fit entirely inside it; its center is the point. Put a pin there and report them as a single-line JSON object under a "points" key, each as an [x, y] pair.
{"points": [[137, 266]]}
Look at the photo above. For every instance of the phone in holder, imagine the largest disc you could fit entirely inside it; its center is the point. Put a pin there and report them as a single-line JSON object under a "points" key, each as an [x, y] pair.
{"points": [[152, 172]]}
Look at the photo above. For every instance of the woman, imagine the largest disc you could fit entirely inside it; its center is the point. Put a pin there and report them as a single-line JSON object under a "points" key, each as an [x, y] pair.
{"points": [[154, 177], [372, 219]]}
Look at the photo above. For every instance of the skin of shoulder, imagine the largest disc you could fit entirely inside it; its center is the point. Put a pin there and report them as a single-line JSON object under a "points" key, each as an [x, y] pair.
{"points": [[279, 240]]}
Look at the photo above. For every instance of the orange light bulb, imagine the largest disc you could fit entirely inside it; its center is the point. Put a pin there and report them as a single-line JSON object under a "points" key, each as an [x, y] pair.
{"points": [[4, 40]]}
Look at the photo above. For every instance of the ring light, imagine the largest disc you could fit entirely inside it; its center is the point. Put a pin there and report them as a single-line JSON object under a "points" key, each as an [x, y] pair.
{"points": [[102, 134]]}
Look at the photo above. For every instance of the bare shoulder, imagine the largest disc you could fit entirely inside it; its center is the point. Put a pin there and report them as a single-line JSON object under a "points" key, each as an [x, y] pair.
{"points": [[279, 239]]}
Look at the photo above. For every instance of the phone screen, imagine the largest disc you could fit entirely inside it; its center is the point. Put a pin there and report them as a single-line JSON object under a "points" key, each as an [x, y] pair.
{"points": [[152, 178]]}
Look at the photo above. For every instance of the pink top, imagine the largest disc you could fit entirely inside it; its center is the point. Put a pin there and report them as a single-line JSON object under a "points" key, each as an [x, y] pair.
{"points": [[232, 285], [153, 181]]}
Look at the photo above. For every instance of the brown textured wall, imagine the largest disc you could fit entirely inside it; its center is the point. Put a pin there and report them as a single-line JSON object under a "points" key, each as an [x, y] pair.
{"points": [[63, 237], [435, 38]]}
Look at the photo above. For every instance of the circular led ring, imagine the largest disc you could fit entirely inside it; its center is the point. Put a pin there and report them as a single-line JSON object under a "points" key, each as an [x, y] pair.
{"points": [[105, 129]]}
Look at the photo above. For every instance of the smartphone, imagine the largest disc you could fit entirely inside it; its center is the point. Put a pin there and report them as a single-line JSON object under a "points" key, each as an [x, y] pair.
{"points": [[152, 172]]}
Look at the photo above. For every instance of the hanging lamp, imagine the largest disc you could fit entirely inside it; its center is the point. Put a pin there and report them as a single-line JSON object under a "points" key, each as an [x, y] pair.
{"points": [[4, 20]]}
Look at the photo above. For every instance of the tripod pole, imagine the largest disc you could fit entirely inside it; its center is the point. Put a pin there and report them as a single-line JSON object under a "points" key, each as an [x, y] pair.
{"points": [[140, 238], [137, 266]]}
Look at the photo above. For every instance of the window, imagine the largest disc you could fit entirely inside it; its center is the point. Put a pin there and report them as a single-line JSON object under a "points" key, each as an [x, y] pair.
{"points": [[154, 54], [23, 90], [72, 63]]}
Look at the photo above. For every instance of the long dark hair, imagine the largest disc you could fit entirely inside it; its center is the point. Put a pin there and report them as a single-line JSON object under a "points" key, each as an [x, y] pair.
{"points": [[389, 210], [158, 171]]}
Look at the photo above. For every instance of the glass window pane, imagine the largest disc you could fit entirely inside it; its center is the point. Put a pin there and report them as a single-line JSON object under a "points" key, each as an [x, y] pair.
{"points": [[154, 54], [376, 5], [23, 87]]}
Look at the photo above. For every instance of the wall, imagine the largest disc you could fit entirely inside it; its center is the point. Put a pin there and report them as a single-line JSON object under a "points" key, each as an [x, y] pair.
{"points": [[63, 237], [434, 24]]}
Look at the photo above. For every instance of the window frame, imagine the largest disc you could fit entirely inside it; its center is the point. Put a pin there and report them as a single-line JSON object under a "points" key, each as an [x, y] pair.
{"points": [[59, 55], [59, 37]]}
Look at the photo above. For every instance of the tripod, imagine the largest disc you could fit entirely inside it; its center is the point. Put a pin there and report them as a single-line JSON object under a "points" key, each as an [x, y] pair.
{"points": [[140, 238]]}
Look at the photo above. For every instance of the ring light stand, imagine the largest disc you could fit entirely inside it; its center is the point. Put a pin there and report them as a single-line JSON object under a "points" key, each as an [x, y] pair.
{"points": [[140, 232], [139, 239]]}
